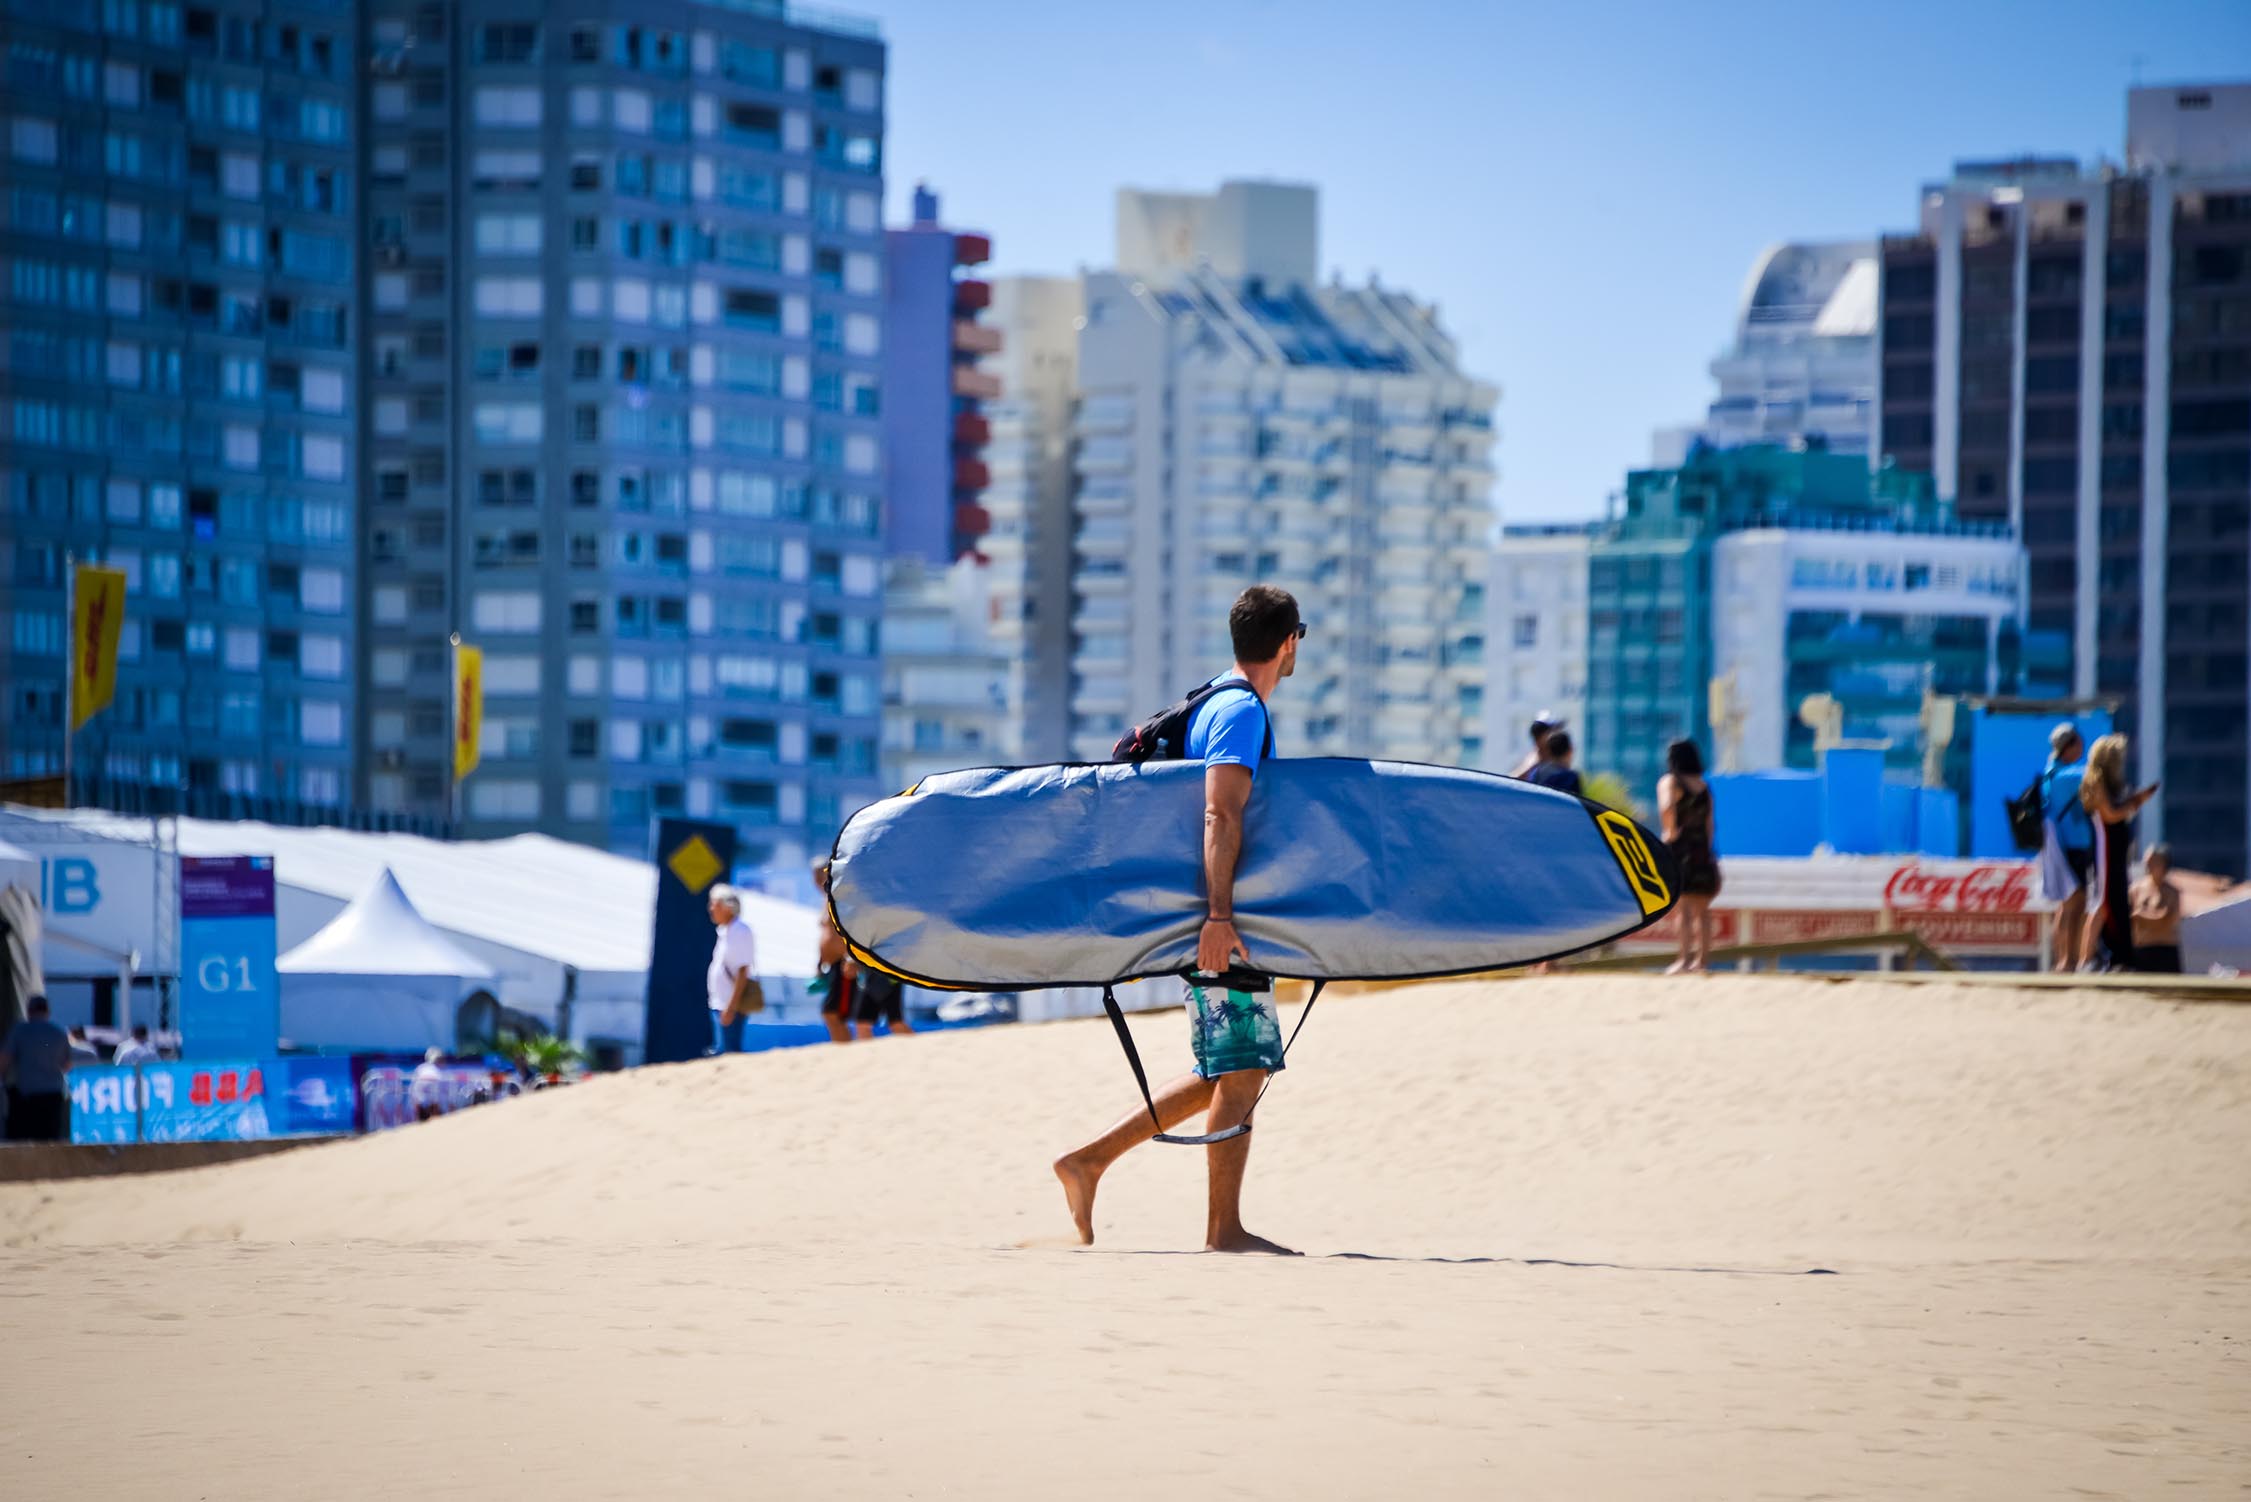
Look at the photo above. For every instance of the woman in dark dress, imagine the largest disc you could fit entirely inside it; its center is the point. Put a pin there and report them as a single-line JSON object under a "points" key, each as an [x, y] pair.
{"points": [[2111, 809], [1684, 814]]}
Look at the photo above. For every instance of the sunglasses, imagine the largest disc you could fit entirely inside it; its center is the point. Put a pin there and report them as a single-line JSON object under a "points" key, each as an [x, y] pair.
{"points": [[1300, 632]]}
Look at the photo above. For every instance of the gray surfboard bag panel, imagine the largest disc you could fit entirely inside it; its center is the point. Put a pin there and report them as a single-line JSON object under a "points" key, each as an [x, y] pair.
{"points": [[1092, 874]]}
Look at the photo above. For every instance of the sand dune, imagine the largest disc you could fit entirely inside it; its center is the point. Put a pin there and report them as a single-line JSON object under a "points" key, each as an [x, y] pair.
{"points": [[1563, 1238]]}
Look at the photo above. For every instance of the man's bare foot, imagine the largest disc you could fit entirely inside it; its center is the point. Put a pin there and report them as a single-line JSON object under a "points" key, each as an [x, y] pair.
{"points": [[1244, 1241], [1079, 1179]]}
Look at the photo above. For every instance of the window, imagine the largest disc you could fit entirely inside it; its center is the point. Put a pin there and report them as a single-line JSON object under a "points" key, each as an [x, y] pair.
{"points": [[744, 308], [505, 169], [506, 610], [507, 106], [508, 296], [509, 422], [508, 234], [1525, 631], [507, 42]]}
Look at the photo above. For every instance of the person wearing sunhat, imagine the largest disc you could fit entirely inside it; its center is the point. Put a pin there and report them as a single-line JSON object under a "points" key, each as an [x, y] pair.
{"points": [[1547, 722]]}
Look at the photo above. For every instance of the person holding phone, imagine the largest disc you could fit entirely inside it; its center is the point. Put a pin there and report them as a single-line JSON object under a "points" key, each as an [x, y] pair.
{"points": [[2111, 809]]}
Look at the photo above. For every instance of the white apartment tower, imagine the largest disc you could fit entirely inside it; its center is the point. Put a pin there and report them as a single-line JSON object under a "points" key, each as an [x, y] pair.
{"points": [[1535, 637], [1028, 452], [1239, 424]]}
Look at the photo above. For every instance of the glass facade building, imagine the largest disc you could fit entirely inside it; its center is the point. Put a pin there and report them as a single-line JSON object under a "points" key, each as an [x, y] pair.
{"points": [[623, 418], [1786, 573], [179, 390]]}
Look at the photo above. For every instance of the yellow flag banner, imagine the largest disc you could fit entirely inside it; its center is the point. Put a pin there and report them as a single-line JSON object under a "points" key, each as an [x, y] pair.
{"points": [[468, 708], [97, 617]]}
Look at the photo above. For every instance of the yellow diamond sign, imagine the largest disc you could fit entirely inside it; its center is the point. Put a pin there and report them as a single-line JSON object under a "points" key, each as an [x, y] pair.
{"points": [[694, 864]]}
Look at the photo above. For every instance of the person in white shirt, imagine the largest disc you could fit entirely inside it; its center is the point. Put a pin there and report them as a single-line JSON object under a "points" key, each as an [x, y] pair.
{"points": [[427, 1090], [730, 980], [137, 1049]]}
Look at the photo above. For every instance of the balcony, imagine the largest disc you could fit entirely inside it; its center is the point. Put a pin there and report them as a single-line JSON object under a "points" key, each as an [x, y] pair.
{"points": [[972, 430], [971, 475], [972, 249], [975, 337], [970, 295], [969, 381], [971, 520]]}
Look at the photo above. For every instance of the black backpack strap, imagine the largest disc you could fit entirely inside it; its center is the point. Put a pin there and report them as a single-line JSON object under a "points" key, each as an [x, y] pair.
{"points": [[1141, 1075]]}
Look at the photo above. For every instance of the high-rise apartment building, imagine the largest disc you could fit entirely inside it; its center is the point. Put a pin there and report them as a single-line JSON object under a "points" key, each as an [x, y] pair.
{"points": [[1239, 423], [1786, 573], [1535, 637], [178, 392], [1027, 546], [945, 681], [624, 342], [934, 424], [1802, 366], [2069, 351]]}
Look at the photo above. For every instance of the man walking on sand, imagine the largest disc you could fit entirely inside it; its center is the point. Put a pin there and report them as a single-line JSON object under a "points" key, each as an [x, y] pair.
{"points": [[1233, 1030]]}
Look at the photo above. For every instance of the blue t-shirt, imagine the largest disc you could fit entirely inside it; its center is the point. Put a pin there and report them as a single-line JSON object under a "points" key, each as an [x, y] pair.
{"points": [[1229, 728], [2064, 808], [39, 1050]]}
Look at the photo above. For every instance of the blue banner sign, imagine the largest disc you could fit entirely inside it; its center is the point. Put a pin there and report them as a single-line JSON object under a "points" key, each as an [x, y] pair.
{"points": [[222, 1101], [214, 1102], [230, 1004]]}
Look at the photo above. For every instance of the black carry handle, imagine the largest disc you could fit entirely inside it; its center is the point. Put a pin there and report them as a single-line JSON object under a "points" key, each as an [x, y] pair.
{"points": [[1141, 1076]]}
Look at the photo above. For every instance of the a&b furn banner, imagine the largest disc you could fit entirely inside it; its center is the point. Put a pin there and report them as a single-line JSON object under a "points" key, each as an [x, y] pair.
{"points": [[468, 707], [97, 619], [691, 856]]}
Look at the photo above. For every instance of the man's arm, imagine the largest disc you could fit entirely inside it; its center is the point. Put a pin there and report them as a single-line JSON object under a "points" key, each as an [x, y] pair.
{"points": [[1226, 790]]}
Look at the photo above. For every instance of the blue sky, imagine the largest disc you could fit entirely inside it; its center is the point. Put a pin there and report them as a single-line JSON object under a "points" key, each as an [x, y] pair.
{"points": [[1580, 187]]}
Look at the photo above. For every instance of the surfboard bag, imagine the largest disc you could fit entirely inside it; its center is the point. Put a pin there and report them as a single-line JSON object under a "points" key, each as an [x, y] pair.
{"points": [[1090, 875]]}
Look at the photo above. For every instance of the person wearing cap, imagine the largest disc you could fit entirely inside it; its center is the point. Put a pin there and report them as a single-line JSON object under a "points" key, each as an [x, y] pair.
{"points": [[2074, 834], [1547, 723], [426, 1090], [733, 970]]}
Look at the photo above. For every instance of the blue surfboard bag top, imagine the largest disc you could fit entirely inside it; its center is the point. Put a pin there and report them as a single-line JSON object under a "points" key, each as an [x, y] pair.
{"points": [[1092, 874]]}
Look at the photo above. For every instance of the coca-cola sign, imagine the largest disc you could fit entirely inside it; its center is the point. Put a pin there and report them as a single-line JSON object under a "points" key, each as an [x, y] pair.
{"points": [[1980, 889]]}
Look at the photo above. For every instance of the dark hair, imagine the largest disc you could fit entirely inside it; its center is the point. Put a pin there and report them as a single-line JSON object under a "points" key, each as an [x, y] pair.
{"points": [[140, 1030], [1262, 619], [35, 1006], [1557, 745], [1682, 759]]}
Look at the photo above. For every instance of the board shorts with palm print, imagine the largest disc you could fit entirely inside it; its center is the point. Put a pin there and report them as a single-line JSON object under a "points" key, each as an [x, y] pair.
{"points": [[1232, 1025]]}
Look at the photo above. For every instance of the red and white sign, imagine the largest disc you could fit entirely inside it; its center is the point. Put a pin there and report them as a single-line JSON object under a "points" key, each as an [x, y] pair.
{"points": [[1980, 889], [1972, 907]]}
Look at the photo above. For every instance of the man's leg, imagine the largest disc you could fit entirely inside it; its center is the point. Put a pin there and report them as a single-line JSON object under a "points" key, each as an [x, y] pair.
{"points": [[1080, 1171], [1226, 1161]]}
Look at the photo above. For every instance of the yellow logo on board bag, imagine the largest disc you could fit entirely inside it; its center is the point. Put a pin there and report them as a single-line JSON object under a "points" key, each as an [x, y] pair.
{"points": [[1634, 858]]}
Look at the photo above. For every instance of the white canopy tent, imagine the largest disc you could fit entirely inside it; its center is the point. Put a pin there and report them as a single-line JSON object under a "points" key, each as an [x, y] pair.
{"points": [[566, 928], [2219, 935], [378, 976]]}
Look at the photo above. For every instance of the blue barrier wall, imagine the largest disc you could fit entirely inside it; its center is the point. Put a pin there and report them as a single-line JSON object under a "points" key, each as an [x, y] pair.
{"points": [[1938, 822], [1852, 799], [2006, 752], [1766, 813]]}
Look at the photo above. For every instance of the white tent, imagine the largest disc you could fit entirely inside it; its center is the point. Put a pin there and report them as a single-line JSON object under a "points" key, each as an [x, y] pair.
{"points": [[2219, 935], [566, 928], [378, 976]]}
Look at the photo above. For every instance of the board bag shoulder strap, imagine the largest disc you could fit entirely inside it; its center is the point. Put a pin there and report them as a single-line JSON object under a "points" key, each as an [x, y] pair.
{"points": [[1141, 1075]]}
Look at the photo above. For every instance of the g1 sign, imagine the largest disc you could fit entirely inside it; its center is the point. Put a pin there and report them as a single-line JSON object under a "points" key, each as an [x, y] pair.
{"points": [[230, 1001]]}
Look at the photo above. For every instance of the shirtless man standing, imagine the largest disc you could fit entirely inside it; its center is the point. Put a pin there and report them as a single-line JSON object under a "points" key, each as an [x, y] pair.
{"points": [[1233, 1029]]}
